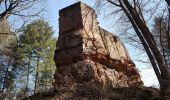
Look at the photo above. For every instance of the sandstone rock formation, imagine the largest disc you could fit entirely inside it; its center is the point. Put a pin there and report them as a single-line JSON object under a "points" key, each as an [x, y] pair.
{"points": [[90, 60], [7, 38]]}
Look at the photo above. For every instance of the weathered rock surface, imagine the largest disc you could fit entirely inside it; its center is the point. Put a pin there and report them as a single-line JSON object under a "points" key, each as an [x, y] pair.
{"points": [[7, 38], [90, 60]]}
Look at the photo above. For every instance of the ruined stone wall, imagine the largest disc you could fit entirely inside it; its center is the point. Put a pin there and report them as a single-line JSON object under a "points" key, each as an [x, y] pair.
{"points": [[67, 22], [80, 34], [89, 58]]}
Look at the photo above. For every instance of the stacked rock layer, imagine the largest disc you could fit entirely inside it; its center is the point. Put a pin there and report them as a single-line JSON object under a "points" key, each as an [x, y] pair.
{"points": [[89, 59]]}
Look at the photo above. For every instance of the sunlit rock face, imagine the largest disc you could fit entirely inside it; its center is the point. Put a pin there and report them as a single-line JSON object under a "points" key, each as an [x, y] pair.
{"points": [[7, 38], [89, 59]]}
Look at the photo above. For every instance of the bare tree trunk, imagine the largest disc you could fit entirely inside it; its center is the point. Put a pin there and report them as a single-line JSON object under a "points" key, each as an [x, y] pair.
{"points": [[161, 42], [36, 76], [168, 2], [6, 77], [168, 30], [28, 71], [46, 79]]}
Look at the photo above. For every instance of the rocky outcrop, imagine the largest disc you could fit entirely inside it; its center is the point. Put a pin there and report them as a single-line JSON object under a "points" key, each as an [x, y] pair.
{"points": [[125, 93], [92, 63], [90, 60], [7, 38]]}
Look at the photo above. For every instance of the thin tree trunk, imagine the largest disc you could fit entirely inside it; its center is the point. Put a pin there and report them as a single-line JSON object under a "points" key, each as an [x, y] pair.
{"points": [[28, 73], [6, 77], [168, 2], [46, 82], [168, 30], [36, 76], [161, 42]]}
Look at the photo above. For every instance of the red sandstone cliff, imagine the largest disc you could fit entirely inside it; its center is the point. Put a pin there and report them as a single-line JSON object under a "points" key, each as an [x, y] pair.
{"points": [[89, 57], [86, 52]]}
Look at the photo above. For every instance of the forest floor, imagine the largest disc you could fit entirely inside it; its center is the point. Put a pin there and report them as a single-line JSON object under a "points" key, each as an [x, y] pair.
{"points": [[127, 93]]}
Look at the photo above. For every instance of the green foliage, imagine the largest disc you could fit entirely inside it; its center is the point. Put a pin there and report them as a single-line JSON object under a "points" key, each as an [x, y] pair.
{"points": [[34, 55], [36, 48]]}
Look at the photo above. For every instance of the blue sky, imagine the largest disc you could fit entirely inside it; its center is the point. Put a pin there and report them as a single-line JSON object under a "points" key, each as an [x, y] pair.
{"points": [[53, 7]]}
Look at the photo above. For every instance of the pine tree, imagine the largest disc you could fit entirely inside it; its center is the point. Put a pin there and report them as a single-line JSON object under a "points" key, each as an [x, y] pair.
{"points": [[38, 43]]}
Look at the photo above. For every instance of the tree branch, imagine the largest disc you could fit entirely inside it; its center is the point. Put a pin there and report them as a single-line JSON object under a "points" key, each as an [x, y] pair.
{"points": [[113, 3]]}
